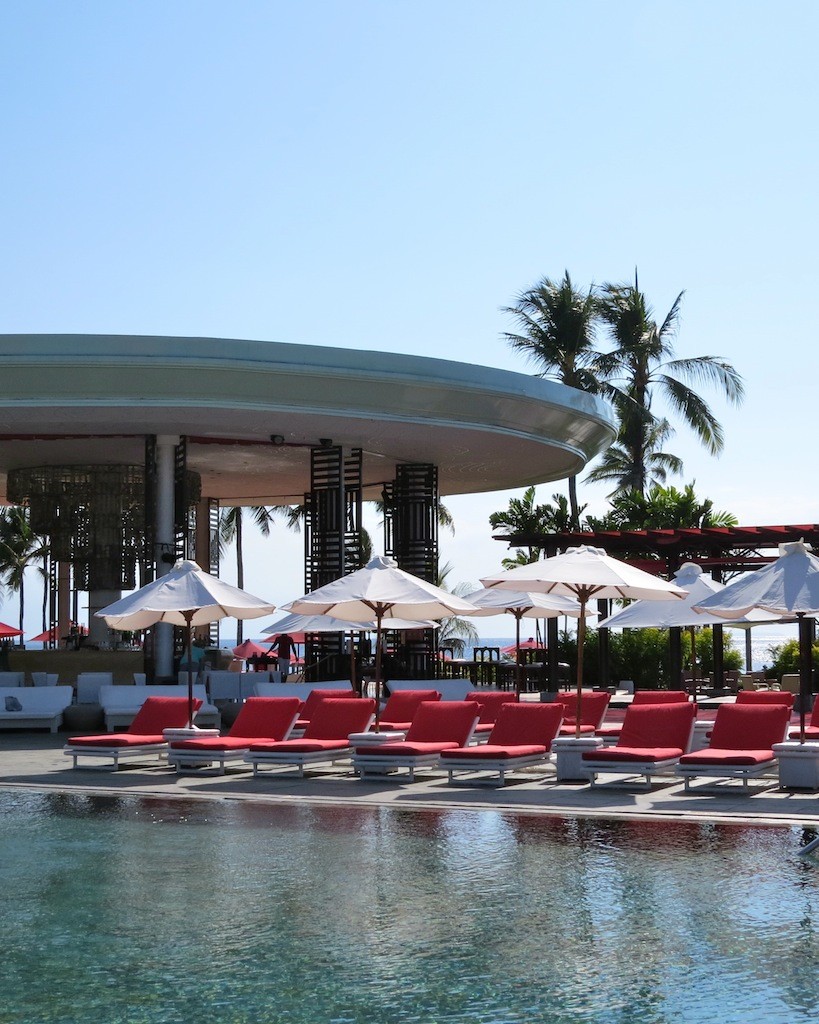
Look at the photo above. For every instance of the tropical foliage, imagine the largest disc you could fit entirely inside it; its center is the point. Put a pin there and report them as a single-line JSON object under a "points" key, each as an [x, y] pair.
{"points": [[556, 328], [640, 369], [20, 548], [454, 632], [785, 658], [661, 508], [231, 529]]}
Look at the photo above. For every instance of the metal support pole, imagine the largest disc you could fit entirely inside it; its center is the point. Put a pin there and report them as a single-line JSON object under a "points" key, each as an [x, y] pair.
{"points": [[164, 532]]}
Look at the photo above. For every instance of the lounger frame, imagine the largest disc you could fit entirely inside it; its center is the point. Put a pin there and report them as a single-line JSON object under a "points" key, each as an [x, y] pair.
{"points": [[206, 762], [151, 751], [632, 770], [733, 771], [378, 766], [499, 766], [261, 760]]}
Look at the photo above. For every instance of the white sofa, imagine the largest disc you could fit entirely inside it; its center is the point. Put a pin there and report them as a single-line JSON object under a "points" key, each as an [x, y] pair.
{"points": [[42, 706], [89, 685], [301, 690], [224, 685], [45, 678], [121, 703], [449, 689], [12, 679]]}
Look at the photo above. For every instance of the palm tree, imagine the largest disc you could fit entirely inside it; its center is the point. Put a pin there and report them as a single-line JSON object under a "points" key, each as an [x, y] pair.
{"points": [[230, 529], [557, 331], [525, 518], [617, 462], [20, 546], [454, 632], [642, 366]]}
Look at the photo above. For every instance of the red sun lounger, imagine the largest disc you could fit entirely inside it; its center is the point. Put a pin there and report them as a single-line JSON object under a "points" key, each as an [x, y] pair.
{"points": [[593, 707], [144, 737], [401, 706], [325, 740], [490, 703], [437, 726], [653, 739], [521, 737], [268, 718], [741, 743]]}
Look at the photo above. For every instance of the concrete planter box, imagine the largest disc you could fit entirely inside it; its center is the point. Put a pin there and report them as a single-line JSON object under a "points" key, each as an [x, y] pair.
{"points": [[798, 764], [568, 751]]}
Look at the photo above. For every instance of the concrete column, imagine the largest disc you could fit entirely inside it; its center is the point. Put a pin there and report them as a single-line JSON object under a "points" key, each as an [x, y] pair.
{"points": [[63, 601], [163, 527], [98, 632]]}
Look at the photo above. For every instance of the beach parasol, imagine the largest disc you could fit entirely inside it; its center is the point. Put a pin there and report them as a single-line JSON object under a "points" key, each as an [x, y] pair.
{"points": [[681, 614], [7, 632], [521, 604], [788, 586], [186, 596], [585, 573], [381, 593], [50, 635], [248, 649]]}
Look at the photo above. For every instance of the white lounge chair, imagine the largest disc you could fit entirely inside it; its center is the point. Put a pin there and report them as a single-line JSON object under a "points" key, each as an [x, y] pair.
{"points": [[40, 707], [120, 704]]}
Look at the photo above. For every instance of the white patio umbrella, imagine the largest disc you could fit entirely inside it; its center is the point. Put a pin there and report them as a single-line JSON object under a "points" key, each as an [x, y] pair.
{"points": [[699, 585], [585, 573], [328, 624], [384, 593], [788, 586], [186, 596], [523, 605]]}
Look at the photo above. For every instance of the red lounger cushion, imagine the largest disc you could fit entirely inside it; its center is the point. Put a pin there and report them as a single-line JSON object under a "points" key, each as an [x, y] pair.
{"points": [[527, 724], [765, 697], [715, 756], [491, 701], [401, 748], [811, 732], [401, 706], [749, 726], [314, 698], [216, 743], [336, 717], [632, 755], [267, 718], [571, 730], [494, 752], [300, 746], [116, 739], [659, 697], [156, 714], [592, 708]]}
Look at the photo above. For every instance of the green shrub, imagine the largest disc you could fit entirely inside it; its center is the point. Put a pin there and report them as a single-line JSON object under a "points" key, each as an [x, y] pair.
{"points": [[785, 658]]}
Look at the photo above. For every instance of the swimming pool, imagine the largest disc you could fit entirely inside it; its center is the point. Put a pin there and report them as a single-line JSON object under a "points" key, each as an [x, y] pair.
{"points": [[170, 912]]}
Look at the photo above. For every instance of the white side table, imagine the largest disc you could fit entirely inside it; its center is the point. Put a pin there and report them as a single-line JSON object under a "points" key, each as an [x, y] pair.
{"points": [[374, 738], [190, 734], [798, 764], [568, 751]]}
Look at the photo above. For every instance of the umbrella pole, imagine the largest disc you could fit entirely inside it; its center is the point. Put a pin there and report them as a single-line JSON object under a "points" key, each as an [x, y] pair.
{"points": [[581, 640], [805, 668], [189, 649], [517, 655], [378, 617]]}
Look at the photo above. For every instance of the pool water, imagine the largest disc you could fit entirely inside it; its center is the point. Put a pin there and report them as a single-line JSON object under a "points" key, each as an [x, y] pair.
{"points": [[125, 910]]}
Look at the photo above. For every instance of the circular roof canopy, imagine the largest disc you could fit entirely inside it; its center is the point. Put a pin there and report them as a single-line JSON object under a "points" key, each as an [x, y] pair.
{"points": [[251, 411]]}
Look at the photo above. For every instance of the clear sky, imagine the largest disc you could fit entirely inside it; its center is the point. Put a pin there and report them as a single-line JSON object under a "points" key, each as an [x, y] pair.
{"points": [[388, 175]]}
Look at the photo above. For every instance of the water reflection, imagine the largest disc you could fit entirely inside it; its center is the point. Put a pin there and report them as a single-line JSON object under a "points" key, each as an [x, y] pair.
{"points": [[231, 911]]}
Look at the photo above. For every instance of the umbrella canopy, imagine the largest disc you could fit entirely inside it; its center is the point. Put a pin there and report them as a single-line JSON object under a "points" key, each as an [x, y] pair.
{"points": [[521, 604], [6, 632], [585, 573], [384, 593], [668, 614], [51, 635], [186, 596], [788, 586], [248, 649], [298, 625]]}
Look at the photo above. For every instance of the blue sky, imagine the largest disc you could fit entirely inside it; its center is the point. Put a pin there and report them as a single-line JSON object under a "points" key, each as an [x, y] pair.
{"points": [[388, 175]]}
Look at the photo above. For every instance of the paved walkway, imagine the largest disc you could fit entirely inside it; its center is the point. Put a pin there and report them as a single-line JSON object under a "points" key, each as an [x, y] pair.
{"points": [[36, 761]]}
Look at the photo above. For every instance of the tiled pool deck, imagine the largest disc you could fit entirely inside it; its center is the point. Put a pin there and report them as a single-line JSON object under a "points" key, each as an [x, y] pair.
{"points": [[36, 761]]}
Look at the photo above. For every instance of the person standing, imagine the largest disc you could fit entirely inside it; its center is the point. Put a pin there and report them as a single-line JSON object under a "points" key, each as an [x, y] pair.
{"points": [[284, 652]]}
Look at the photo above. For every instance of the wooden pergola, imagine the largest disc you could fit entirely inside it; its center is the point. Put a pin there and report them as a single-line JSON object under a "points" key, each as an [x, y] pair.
{"points": [[723, 551]]}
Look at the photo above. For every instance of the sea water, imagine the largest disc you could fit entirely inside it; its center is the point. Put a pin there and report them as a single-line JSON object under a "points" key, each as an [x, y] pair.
{"points": [[121, 910]]}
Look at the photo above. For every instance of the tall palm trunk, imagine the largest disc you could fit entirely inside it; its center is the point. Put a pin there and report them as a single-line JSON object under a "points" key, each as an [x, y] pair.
{"points": [[240, 570]]}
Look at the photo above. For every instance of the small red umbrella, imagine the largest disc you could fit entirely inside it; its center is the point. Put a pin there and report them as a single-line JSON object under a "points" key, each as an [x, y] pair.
{"points": [[51, 634], [248, 649], [8, 631], [525, 645]]}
